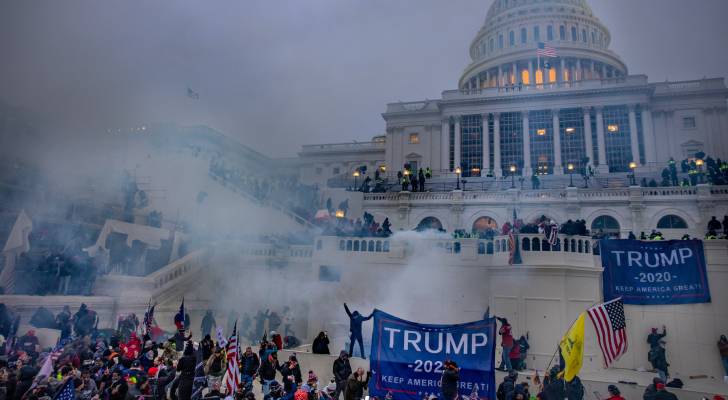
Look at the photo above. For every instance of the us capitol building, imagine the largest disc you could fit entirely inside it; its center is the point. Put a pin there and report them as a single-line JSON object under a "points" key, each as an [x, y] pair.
{"points": [[516, 112]]}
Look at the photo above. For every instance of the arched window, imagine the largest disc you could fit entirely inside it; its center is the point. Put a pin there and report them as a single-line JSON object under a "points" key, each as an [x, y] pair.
{"points": [[481, 248], [671, 222], [549, 33], [524, 35], [348, 245], [583, 36], [536, 34], [379, 245], [500, 41], [342, 245], [573, 34], [606, 224], [536, 244], [489, 248], [491, 44], [526, 244], [483, 225], [371, 246], [562, 32], [511, 38], [429, 223], [385, 247], [594, 37], [356, 245]]}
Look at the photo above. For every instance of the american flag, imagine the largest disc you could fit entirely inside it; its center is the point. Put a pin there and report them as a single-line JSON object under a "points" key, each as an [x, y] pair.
{"points": [[611, 327], [511, 247], [550, 232], [67, 392], [546, 51], [232, 373], [474, 393], [149, 319]]}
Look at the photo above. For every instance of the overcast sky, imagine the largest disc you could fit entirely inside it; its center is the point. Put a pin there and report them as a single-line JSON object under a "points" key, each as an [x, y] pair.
{"points": [[279, 74]]}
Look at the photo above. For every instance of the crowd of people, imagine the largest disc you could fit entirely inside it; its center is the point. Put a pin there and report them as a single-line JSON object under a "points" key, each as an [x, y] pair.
{"points": [[286, 191], [366, 226], [700, 169]]}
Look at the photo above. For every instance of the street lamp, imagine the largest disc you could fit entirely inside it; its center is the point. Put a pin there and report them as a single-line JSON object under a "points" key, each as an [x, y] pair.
{"points": [[339, 214], [699, 163], [458, 171], [513, 176], [570, 168], [356, 175], [632, 167]]}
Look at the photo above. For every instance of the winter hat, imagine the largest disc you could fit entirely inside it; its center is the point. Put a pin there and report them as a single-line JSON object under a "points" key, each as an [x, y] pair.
{"points": [[660, 386], [613, 390], [292, 357]]}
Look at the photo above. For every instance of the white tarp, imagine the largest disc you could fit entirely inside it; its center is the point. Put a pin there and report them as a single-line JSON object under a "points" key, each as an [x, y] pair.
{"points": [[148, 235], [18, 241]]}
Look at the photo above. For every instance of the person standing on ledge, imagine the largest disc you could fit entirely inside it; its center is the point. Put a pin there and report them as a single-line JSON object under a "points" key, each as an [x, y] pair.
{"points": [[355, 324]]}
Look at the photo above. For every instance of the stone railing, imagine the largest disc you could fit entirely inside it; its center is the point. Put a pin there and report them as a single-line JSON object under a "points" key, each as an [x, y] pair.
{"points": [[534, 249], [177, 269], [552, 195]]}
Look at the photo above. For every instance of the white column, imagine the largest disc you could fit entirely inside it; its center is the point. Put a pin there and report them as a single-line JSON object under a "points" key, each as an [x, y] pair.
{"points": [[515, 74], [633, 137], [496, 146], [593, 71], [487, 78], [531, 76], [601, 142], [588, 144], [445, 151], [458, 142], [486, 146], [477, 81], [558, 167], [648, 135], [500, 76], [560, 76], [526, 145]]}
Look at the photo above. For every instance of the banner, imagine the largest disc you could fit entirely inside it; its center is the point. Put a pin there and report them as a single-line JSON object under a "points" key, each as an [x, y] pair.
{"points": [[664, 272], [407, 358]]}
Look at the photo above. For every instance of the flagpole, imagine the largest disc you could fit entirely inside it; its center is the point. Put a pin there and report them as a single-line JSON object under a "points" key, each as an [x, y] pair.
{"points": [[559, 345]]}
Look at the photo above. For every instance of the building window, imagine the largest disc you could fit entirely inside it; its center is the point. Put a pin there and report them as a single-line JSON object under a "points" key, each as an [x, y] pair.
{"points": [[511, 130], [540, 125], [671, 222], [511, 38], [594, 37], [562, 32], [573, 34], [429, 223], [319, 170], [491, 153], [336, 170], [688, 122], [640, 137], [571, 129], [491, 44], [414, 138], [500, 41], [471, 145], [595, 140], [524, 36], [605, 224], [583, 36], [549, 33], [617, 138], [536, 34]]}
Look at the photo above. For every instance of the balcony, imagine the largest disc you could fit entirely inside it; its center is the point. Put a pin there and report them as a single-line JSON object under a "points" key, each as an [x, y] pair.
{"points": [[351, 147]]}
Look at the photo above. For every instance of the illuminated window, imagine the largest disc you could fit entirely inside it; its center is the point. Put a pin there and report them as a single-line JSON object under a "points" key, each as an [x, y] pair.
{"points": [[549, 33], [525, 78], [552, 75], [542, 142], [689, 122], [613, 128], [541, 132], [539, 77], [570, 130], [414, 138], [566, 74]]}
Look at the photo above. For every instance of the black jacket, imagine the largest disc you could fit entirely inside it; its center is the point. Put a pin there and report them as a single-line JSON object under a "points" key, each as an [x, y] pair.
{"points": [[250, 364], [268, 370], [342, 369], [286, 371], [320, 346], [450, 378]]}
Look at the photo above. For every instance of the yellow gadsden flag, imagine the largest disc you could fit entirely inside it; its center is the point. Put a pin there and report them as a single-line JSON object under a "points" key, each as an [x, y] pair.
{"points": [[572, 348]]}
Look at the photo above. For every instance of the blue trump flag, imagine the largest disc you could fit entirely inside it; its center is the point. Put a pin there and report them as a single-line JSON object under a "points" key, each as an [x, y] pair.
{"points": [[407, 358], [660, 272]]}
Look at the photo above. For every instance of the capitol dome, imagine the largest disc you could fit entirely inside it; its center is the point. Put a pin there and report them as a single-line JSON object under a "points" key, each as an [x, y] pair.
{"points": [[504, 52]]}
